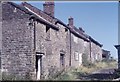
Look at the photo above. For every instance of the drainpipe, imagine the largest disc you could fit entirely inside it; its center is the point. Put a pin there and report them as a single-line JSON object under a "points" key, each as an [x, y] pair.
{"points": [[90, 52], [32, 22], [70, 49], [34, 43], [34, 50], [34, 36]]}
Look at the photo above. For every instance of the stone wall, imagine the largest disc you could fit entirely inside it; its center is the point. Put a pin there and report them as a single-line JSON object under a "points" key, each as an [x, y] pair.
{"points": [[16, 42], [24, 39], [52, 46], [77, 49], [96, 52], [63, 43], [0, 32], [87, 50]]}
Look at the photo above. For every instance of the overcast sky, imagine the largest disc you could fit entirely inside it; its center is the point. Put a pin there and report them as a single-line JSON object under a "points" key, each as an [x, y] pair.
{"points": [[99, 19]]}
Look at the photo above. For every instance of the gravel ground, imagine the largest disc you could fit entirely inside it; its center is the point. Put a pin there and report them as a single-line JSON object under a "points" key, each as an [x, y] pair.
{"points": [[103, 74]]}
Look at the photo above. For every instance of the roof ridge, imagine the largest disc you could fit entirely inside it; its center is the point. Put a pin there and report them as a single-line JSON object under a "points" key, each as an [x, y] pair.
{"points": [[38, 11], [20, 7]]}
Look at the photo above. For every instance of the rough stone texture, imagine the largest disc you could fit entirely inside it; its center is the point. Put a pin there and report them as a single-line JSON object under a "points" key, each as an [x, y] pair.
{"points": [[24, 38], [96, 52], [63, 43], [52, 47], [48, 7], [16, 43], [87, 50], [77, 49], [0, 32]]}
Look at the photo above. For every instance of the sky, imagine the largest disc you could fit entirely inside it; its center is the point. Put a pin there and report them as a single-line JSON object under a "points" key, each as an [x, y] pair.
{"points": [[99, 19]]}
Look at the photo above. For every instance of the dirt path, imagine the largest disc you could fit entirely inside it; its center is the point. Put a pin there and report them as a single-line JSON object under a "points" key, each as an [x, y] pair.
{"points": [[103, 74]]}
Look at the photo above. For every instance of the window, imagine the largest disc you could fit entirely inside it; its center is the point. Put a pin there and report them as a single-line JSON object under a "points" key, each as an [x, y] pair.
{"points": [[62, 60], [75, 39], [76, 56], [47, 32]]}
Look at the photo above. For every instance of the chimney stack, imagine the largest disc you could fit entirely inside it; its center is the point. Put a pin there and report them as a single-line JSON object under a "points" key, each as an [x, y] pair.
{"points": [[71, 22], [48, 7]]}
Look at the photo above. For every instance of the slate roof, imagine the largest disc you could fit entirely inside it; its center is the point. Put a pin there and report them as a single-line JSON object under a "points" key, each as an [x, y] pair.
{"points": [[33, 15], [94, 41], [52, 21], [36, 10]]}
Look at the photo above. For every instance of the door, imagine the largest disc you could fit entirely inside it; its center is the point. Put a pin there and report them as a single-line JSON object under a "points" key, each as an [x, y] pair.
{"points": [[39, 65], [62, 60], [80, 59]]}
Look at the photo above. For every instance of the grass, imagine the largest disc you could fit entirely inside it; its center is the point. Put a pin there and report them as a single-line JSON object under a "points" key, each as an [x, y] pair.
{"points": [[79, 73], [74, 73]]}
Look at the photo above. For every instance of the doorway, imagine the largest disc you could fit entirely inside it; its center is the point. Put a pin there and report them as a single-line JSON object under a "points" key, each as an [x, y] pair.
{"points": [[39, 66], [62, 60]]}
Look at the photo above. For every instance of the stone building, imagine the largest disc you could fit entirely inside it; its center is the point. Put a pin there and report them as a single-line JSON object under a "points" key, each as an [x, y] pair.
{"points": [[35, 44], [105, 54], [118, 51], [77, 38], [118, 45], [56, 41], [95, 50]]}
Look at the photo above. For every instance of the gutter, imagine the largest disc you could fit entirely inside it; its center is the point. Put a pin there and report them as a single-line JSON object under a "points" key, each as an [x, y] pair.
{"points": [[42, 19], [58, 21], [91, 39], [45, 22]]}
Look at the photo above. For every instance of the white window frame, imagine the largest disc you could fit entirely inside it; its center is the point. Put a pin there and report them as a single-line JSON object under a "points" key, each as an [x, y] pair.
{"points": [[76, 55]]}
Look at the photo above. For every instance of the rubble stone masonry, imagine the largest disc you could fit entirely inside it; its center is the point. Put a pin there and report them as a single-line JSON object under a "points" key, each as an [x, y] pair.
{"points": [[29, 35]]}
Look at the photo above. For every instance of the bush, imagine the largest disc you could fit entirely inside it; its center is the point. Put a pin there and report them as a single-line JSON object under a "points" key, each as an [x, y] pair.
{"points": [[67, 75], [85, 61], [53, 72]]}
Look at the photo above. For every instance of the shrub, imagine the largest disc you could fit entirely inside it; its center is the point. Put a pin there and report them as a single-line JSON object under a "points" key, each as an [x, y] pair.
{"points": [[69, 74], [85, 61]]}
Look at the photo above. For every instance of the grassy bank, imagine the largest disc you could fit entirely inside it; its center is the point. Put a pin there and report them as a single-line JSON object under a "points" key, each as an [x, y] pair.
{"points": [[78, 73]]}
